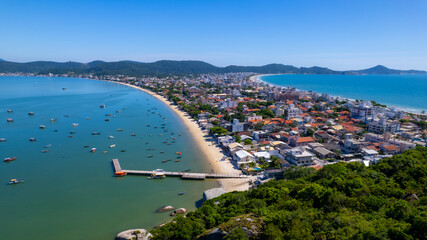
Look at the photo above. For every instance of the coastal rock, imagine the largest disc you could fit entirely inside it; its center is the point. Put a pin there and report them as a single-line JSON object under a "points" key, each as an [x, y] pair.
{"points": [[138, 234], [165, 209], [213, 193], [173, 214], [180, 211]]}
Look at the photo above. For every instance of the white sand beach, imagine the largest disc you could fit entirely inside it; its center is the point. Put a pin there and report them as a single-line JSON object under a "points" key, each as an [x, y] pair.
{"points": [[207, 146]]}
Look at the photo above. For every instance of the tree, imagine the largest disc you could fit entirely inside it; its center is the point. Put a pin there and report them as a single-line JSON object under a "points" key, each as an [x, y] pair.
{"points": [[247, 141], [218, 130], [236, 234]]}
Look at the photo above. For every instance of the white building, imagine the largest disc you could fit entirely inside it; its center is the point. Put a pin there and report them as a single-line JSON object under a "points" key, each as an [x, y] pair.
{"points": [[292, 112], [253, 117], [262, 155], [227, 104], [243, 157], [383, 126], [362, 110], [299, 156]]}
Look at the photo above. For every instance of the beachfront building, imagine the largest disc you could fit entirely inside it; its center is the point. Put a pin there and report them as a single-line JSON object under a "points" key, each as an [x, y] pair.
{"points": [[262, 156], [299, 156], [362, 110], [225, 140], [243, 157]]}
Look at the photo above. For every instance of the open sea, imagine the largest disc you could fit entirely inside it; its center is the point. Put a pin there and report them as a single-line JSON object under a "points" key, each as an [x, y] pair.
{"points": [[71, 193], [407, 92]]}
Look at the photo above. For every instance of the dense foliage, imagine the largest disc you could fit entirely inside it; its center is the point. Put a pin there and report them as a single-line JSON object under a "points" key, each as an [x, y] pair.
{"points": [[340, 201]]}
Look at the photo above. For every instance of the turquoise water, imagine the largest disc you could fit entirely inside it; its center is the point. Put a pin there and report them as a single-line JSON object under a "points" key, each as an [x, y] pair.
{"points": [[70, 193], [408, 92]]}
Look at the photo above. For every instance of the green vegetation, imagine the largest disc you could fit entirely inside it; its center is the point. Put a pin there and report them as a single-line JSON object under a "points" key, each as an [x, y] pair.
{"points": [[340, 201], [421, 124], [218, 130]]}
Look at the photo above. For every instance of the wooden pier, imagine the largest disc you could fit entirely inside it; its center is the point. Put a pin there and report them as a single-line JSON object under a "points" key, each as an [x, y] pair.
{"points": [[183, 175]]}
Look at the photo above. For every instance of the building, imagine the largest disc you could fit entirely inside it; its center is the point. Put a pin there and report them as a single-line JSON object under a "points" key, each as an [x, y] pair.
{"points": [[383, 126], [253, 118], [243, 157], [299, 156], [350, 145], [362, 110], [227, 104], [225, 140], [292, 112], [260, 135], [297, 141], [322, 152], [237, 126]]}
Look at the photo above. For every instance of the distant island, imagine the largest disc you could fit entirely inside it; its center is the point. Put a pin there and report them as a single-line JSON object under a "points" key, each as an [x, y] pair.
{"points": [[132, 68]]}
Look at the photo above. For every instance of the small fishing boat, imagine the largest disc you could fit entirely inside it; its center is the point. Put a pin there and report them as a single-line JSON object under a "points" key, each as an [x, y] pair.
{"points": [[120, 174], [133, 134], [93, 150], [31, 113], [64, 88], [70, 136], [9, 111], [120, 130], [9, 120], [55, 130], [3, 140], [108, 114], [181, 193], [162, 152], [186, 170], [53, 120], [163, 161], [150, 156], [74, 124], [66, 115], [105, 152], [48, 146], [107, 120], [123, 150], [110, 137], [177, 160], [72, 132], [45, 151], [33, 140], [96, 133], [102, 106], [87, 146], [9, 159], [158, 174], [42, 127], [113, 146], [14, 181], [118, 111]]}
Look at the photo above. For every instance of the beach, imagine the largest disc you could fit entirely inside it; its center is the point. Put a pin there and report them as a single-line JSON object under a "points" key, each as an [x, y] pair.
{"points": [[207, 145]]}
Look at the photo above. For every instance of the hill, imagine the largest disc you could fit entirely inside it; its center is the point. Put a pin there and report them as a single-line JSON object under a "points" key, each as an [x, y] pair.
{"points": [[133, 68], [341, 201]]}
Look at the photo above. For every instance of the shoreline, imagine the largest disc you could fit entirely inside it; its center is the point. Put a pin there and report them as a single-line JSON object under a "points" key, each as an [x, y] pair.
{"points": [[206, 144], [257, 78]]}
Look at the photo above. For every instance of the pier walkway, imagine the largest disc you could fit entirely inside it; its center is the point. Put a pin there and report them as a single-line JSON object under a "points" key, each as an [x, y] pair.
{"points": [[183, 175]]}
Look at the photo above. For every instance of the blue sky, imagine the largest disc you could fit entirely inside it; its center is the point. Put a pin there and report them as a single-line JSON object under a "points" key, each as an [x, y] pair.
{"points": [[338, 34]]}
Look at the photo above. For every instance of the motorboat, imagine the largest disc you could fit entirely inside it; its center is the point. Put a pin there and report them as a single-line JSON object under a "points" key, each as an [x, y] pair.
{"points": [[33, 140], [42, 127], [96, 133], [74, 124], [31, 113], [9, 111], [3, 140], [110, 137], [9, 120], [93, 150], [9, 159], [158, 174], [113, 146], [14, 181], [120, 174]]}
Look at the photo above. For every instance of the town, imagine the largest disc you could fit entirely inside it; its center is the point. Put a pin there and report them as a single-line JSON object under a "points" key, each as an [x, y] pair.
{"points": [[267, 128]]}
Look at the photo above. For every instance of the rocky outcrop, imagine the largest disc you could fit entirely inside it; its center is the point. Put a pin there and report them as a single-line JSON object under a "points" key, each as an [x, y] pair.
{"points": [[137, 234], [179, 211], [165, 209], [213, 193]]}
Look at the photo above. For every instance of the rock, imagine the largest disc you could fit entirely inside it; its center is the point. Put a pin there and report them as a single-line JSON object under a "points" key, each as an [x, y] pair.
{"points": [[165, 209], [138, 234], [173, 214], [180, 211], [213, 193]]}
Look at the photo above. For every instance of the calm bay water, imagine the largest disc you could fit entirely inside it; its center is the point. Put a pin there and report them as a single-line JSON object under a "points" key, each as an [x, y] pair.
{"points": [[408, 92], [70, 193]]}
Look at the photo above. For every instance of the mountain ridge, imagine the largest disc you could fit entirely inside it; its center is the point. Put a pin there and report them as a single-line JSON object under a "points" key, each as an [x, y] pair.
{"points": [[135, 68]]}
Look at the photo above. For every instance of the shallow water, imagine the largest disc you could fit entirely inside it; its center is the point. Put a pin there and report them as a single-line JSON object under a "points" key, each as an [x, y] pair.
{"points": [[70, 193]]}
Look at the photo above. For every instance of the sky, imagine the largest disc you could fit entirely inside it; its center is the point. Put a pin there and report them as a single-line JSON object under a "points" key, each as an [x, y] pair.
{"points": [[338, 34]]}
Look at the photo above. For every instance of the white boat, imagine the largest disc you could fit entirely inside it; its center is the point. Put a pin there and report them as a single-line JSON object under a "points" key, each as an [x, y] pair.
{"points": [[113, 146], [42, 127], [2, 139], [74, 124], [158, 173], [111, 137]]}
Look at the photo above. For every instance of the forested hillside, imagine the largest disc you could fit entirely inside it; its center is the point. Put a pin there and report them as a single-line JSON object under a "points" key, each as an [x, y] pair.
{"points": [[340, 201]]}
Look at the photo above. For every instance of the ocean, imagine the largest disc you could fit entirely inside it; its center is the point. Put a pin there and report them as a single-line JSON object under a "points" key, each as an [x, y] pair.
{"points": [[71, 193], [407, 92]]}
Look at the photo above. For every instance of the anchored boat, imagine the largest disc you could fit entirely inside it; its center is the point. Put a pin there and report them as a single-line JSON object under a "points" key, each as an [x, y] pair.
{"points": [[9, 159], [14, 181]]}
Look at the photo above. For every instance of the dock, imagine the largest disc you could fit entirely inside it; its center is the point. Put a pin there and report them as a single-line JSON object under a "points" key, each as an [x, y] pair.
{"points": [[183, 175]]}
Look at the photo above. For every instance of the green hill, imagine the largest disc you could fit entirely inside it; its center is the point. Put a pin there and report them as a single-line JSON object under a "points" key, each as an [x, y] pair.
{"points": [[340, 201], [133, 68]]}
